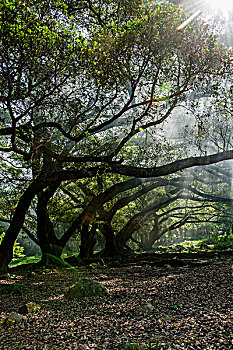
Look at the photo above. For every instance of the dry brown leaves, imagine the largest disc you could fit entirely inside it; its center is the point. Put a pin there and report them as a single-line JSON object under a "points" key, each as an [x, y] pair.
{"points": [[193, 309]]}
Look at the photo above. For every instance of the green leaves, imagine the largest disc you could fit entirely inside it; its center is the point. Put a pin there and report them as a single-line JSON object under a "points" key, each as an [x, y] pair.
{"points": [[18, 250]]}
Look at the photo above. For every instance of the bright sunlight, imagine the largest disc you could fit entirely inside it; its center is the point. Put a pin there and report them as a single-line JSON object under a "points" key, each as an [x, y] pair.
{"points": [[224, 5]]}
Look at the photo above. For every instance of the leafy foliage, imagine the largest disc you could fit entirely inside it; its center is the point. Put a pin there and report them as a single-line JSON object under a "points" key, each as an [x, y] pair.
{"points": [[18, 249], [86, 90]]}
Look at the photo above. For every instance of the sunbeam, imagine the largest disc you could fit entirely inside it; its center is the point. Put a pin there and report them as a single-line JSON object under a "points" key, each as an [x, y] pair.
{"points": [[224, 5]]}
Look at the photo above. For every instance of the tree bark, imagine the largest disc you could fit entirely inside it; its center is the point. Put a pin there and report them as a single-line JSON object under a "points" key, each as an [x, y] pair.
{"points": [[48, 242], [152, 236], [51, 254], [110, 249], [88, 241]]}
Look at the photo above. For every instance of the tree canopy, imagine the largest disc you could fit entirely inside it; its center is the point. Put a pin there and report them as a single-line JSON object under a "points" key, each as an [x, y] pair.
{"points": [[86, 90]]}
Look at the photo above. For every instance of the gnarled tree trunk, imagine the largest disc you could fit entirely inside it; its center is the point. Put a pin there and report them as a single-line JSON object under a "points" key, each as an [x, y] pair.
{"points": [[49, 244], [151, 237], [88, 241], [6, 247], [110, 249]]}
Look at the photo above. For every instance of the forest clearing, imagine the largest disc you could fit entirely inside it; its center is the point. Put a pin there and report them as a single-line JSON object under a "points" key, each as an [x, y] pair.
{"points": [[116, 174]]}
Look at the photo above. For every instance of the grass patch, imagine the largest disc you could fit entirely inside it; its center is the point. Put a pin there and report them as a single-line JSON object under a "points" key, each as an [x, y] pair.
{"points": [[214, 243], [25, 260], [221, 242]]}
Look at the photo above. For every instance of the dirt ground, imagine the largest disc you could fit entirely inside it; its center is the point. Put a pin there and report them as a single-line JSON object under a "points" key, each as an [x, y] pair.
{"points": [[192, 308]]}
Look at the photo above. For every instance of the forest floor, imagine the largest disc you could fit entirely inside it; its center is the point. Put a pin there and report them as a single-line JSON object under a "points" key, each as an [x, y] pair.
{"points": [[192, 308]]}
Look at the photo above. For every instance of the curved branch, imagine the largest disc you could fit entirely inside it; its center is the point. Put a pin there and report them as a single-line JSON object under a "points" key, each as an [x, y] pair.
{"points": [[172, 167]]}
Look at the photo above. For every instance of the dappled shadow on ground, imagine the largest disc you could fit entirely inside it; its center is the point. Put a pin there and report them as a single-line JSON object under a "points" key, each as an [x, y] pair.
{"points": [[193, 309]]}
